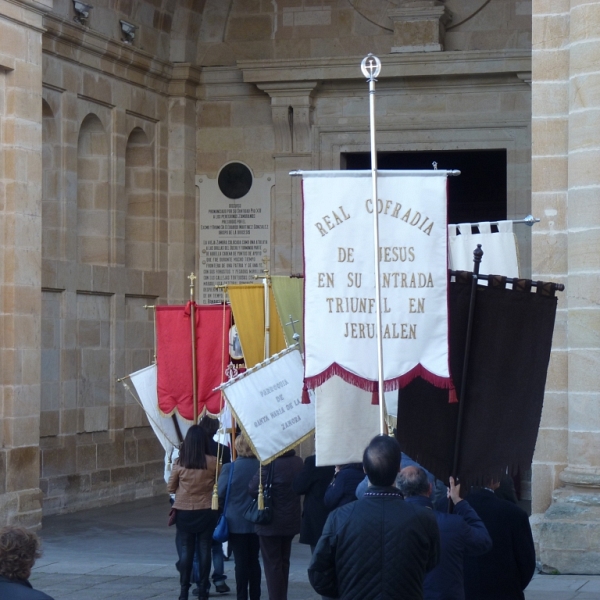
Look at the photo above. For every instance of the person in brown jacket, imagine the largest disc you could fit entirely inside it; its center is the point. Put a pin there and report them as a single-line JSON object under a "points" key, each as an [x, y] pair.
{"points": [[192, 480]]}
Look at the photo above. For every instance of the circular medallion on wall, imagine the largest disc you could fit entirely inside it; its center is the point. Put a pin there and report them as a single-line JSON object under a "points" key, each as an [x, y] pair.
{"points": [[235, 180]]}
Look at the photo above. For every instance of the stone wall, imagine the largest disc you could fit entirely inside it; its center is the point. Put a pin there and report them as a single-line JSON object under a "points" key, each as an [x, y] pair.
{"points": [[566, 131], [106, 201], [20, 267]]}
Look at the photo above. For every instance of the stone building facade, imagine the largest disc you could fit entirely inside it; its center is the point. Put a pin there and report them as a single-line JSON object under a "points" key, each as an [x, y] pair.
{"points": [[101, 143]]}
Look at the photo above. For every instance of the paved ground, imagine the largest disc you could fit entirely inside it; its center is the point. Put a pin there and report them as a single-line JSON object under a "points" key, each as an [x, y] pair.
{"points": [[127, 552]]}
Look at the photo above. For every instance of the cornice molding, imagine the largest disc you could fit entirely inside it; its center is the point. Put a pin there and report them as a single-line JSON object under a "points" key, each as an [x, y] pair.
{"points": [[422, 64], [184, 82], [74, 43]]}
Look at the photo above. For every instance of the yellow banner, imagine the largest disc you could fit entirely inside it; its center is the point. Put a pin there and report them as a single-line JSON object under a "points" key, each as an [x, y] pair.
{"points": [[248, 306]]}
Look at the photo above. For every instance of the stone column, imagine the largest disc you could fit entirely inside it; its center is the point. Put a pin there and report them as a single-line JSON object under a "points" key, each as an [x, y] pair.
{"points": [[291, 107], [569, 532], [20, 258], [182, 189]]}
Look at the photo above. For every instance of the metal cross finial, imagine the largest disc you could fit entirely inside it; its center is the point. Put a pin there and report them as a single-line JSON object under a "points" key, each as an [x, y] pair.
{"points": [[370, 67], [265, 261], [296, 335], [192, 278]]}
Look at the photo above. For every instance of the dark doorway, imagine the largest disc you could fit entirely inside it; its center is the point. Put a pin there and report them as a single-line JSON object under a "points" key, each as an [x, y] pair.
{"points": [[478, 194]]}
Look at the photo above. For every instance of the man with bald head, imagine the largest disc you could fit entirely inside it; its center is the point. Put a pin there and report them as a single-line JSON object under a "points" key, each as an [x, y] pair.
{"points": [[461, 534]]}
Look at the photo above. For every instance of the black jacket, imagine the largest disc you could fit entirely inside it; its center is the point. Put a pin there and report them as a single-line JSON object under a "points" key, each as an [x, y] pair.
{"points": [[377, 548], [343, 488], [461, 534], [18, 589], [286, 503], [506, 570], [312, 481]]}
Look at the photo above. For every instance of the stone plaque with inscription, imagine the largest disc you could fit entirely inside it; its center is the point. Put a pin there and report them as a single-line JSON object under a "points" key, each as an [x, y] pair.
{"points": [[235, 229]]}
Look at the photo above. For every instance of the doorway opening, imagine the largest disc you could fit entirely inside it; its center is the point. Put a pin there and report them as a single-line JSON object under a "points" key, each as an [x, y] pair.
{"points": [[478, 194]]}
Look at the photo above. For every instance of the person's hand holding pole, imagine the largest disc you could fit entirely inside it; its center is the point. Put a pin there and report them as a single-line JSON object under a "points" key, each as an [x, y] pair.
{"points": [[454, 492]]}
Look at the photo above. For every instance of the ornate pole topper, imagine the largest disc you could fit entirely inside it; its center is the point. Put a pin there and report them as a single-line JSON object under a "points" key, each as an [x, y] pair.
{"points": [[371, 67]]}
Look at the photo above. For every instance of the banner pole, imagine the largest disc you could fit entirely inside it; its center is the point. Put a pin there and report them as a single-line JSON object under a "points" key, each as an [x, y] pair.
{"points": [[477, 256], [267, 309], [371, 67], [191, 277]]}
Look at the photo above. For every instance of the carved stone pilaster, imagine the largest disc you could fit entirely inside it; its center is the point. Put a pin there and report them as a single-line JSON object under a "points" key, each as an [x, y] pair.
{"points": [[419, 26], [282, 126], [291, 106]]}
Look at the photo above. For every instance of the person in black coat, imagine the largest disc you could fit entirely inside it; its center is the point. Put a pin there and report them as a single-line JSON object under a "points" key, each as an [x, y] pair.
{"points": [[342, 489], [379, 546], [18, 550], [462, 533], [276, 537], [505, 571], [312, 481]]}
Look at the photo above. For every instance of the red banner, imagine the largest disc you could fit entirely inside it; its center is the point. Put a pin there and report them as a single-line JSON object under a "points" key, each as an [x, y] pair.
{"points": [[174, 357]]}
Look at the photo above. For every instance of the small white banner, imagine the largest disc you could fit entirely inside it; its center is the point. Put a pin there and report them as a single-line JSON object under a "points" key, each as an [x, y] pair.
{"points": [[267, 403], [339, 307], [144, 383]]}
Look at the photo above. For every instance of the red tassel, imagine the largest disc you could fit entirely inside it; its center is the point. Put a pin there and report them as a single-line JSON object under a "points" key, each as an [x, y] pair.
{"points": [[452, 397], [305, 396], [375, 396]]}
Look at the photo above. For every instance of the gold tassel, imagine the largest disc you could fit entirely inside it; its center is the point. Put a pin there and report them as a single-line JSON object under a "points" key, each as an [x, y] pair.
{"points": [[215, 498], [261, 498]]}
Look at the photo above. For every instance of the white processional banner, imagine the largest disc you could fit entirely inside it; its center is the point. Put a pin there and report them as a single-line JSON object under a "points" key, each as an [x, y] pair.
{"points": [[144, 383], [339, 299], [267, 403]]}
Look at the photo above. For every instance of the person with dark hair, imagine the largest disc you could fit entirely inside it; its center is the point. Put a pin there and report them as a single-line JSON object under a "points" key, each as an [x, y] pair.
{"points": [[19, 549], [276, 537], [222, 453], [313, 482], [506, 570], [439, 495], [211, 426], [192, 480], [378, 546], [242, 537], [343, 487], [461, 534]]}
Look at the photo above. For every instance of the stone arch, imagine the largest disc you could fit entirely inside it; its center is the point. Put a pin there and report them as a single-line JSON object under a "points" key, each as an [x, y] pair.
{"points": [[140, 216], [188, 25], [51, 206], [93, 198]]}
